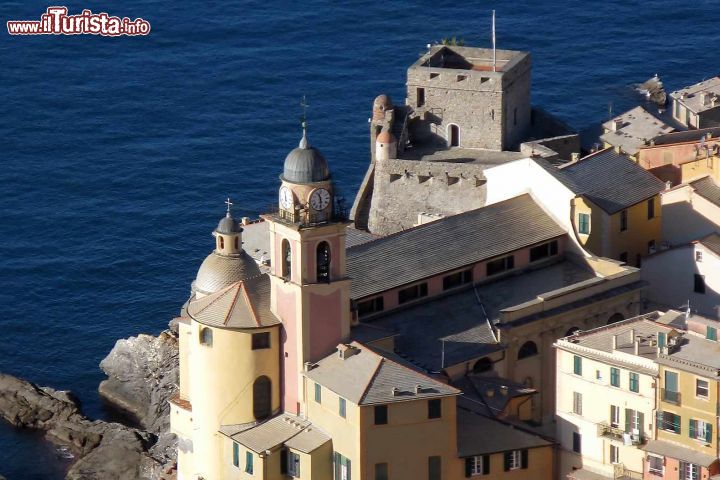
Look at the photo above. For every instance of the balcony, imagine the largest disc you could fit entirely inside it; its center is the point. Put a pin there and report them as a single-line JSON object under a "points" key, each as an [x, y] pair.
{"points": [[670, 397], [623, 473], [617, 433]]}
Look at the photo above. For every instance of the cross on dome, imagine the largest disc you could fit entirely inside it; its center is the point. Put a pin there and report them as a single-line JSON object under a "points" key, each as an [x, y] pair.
{"points": [[303, 141], [229, 205]]}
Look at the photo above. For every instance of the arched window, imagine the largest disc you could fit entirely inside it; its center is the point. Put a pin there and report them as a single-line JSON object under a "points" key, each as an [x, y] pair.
{"points": [[286, 259], [262, 398], [237, 243], [615, 318], [323, 262], [528, 349], [482, 365], [206, 336], [453, 135], [221, 242], [571, 331]]}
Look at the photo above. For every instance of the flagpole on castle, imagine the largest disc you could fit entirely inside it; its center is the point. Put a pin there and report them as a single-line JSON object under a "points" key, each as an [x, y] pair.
{"points": [[493, 41]]}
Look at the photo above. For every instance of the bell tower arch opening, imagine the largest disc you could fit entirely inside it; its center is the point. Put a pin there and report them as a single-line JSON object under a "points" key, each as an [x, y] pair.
{"points": [[323, 262]]}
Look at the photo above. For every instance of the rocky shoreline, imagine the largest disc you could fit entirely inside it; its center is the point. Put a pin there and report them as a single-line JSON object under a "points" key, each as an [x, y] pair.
{"points": [[142, 375]]}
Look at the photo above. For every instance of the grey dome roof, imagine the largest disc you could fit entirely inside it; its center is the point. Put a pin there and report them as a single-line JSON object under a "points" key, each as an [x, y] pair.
{"points": [[305, 164], [228, 225], [219, 271]]}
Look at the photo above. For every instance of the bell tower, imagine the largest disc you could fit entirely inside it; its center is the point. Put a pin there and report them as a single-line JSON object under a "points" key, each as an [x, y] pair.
{"points": [[310, 291]]}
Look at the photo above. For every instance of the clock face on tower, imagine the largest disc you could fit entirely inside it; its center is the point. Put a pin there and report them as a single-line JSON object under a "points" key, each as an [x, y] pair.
{"points": [[319, 199], [286, 198]]}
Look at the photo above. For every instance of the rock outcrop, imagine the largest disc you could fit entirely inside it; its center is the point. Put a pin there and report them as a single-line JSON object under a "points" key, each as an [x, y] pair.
{"points": [[104, 449], [142, 375]]}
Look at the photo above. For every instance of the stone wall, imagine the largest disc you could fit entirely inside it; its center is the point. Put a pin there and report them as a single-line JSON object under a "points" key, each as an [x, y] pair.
{"points": [[405, 188]]}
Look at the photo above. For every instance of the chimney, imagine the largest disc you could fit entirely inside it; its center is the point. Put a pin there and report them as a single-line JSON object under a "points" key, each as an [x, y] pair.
{"points": [[418, 389], [346, 351], [504, 390], [395, 391], [245, 220], [574, 156], [704, 97], [614, 342], [668, 185], [632, 335], [637, 347], [490, 393], [714, 101], [652, 142], [616, 124]]}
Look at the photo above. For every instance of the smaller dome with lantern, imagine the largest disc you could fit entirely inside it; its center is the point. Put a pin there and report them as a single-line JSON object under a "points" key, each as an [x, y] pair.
{"points": [[305, 164]]}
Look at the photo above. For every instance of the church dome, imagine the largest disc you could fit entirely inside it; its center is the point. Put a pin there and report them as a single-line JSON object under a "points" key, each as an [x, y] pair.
{"points": [[305, 164], [228, 225], [219, 271]]}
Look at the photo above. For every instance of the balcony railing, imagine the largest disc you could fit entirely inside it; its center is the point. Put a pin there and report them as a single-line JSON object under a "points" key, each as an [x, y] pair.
{"points": [[670, 396], [623, 473], [617, 433]]}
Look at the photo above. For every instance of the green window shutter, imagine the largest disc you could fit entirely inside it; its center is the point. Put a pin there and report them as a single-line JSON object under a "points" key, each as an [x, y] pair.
{"points": [[693, 428], [349, 471], [524, 459], [614, 377], [711, 333], [662, 339], [248, 462], [577, 365], [486, 464], [708, 433], [507, 461], [676, 423], [628, 420], [468, 467], [236, 454], [641, 424]]}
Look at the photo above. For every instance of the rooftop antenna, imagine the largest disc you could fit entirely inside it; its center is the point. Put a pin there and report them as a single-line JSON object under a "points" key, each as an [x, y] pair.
{"points": [[229, 205], [493, 41]]}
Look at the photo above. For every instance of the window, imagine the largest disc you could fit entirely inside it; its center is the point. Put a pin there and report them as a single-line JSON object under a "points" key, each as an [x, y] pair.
{"points": [[634, 382], [371, 306], [206, 336], [318, 393], [342, 407], [698, 256], [500, 265], [237, 243], [435, 408], [634, 422], [456, 279], [260, 341], [221, 242], [286, 259], [577, 365], [528, 349], [236, 454], [614, 377], [412, 293], [292, 464], [341, 465], [711, 333], [381, 471], [577, 403], [584, 223], [623, 221], [576, 443], [701, 388], [516, 459], [477, 465], [699, 286], [651, 208], [249, 462], [420, 97], [543, 251], [700, 430], [662, 339], [669, 422], [614, 416], [655, 465], [651, 247], [614, 454], [434, 468], [671, 392], [323, 262], [381, 415], [623, 257], [598, 375], [688, 471], [262, 398]]}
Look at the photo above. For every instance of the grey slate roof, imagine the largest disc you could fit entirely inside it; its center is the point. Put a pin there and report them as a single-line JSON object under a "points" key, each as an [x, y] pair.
{"points": [[479, 435], [610, 180], [490, 395], [674, 450], [707, 188], [712, 242], [308, 440], [243, 304], [638, 126], [446, 244], [269, 434], [462, 321], [219, 271], [687, 136], [367, 378]]}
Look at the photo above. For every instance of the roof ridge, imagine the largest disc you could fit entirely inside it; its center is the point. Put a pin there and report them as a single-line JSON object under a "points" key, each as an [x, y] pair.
{"points": [[251, 307], [233, 303], [218, 295]]}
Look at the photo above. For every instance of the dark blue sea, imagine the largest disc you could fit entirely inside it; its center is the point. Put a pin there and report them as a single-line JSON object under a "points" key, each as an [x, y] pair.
{"points": [[117, 153]]}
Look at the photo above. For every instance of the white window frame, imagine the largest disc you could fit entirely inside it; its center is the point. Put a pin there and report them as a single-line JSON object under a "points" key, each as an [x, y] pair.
{"points": [[700, 430], [516, 460], [614, 454], [690, 471], [476, 465], [654, 471], [635, 421], [614, 416], [707, 388]]}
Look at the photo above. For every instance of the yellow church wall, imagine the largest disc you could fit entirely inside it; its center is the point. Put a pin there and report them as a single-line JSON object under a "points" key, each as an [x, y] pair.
{"points": [[345, 432], [184, 333], [408, 439], [222, 389]]}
